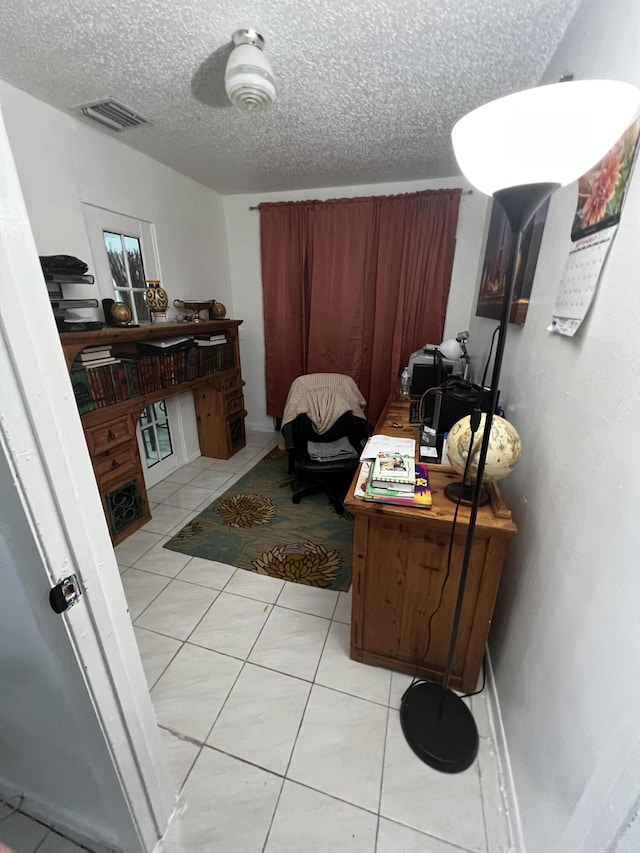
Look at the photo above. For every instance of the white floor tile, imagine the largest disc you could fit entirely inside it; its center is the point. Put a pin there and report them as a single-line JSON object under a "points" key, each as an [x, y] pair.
{"points": [[447, 806], [210, 479], [496, 824], [291, 642], [340, 747], [135, 546], [394, 838], [343, 608], [57, 844], [164, 518], [325, 824], [480, 713], [202, 462], [308, 599], [253, 585], [162, 561], [231, 625], [162, 491], [261, 717], [189, 517], [337, 670], [230, 805], [184, 475], [188, 497], [207, 573], [180, 756], [177, 610], [399, 683], [189, 695], [20, 832], [156, 652], [140, 588]]}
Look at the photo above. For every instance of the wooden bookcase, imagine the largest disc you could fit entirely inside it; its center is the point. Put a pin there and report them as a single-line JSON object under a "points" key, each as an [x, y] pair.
{"points": [[110, 432]]}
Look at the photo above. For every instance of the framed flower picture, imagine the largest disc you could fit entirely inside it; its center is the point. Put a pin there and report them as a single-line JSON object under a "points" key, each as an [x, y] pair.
{"points": [[496, 259], [602, 189]]}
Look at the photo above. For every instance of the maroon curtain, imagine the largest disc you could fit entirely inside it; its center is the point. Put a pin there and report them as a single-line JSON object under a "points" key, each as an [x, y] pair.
{"points": [[354, 286]]}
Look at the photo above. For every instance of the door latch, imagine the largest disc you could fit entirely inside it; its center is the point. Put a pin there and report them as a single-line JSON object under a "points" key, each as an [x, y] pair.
{"points": [[64, 594]]}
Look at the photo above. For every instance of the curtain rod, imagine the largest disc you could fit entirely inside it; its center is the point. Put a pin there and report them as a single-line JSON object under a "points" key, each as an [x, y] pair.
{"points": [[464, 192]]}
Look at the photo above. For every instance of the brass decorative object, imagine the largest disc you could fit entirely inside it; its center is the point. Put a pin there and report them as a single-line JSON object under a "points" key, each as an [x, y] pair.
{"points": [[156, 300], [219, 311], [120, 313], [195, 306]]}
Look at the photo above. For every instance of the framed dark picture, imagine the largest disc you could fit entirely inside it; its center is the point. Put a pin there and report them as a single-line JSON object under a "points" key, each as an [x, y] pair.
{"points": [[496, 258]]}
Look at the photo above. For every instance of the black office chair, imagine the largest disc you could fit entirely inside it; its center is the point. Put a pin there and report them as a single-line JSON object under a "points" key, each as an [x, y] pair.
{"points": [[331, 476]]}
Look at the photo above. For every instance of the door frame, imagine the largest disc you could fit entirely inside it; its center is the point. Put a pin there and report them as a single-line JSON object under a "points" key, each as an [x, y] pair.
{"points": [[42, 433]]}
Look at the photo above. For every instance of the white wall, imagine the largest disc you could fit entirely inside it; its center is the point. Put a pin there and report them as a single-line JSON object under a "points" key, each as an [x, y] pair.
{"points": [[63, 162], [243, 234], [566, 640]]}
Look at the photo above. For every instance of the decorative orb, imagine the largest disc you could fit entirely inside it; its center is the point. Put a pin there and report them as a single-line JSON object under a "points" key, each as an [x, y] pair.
{"points": [[219, 311], [502, 455], [120, 313]]}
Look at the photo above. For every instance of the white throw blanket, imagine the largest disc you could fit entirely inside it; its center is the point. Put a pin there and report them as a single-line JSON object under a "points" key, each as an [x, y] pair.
{"points": [[323, 397]]}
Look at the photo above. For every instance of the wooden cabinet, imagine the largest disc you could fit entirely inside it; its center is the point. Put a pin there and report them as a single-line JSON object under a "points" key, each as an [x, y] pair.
{"points": [[110, 431], [403, 601]]}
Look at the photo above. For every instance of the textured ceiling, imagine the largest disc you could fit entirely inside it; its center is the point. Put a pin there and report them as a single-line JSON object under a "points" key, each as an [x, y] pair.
{"points": [[367, 91]]}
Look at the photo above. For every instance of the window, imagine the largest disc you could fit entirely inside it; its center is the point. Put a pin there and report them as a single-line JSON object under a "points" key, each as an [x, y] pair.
{"points": [[127, 273], [125, 257], [156, 434]]}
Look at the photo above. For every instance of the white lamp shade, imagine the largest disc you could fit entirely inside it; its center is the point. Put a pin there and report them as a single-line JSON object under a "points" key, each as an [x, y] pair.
{"points": [[551, 134]]}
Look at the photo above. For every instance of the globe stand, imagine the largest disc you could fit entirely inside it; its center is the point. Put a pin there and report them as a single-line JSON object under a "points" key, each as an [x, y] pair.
{"points": [[462, 493]]}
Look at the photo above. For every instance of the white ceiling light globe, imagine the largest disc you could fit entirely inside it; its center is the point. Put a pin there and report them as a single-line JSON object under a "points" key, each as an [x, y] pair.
{"points": [[550, 134]]}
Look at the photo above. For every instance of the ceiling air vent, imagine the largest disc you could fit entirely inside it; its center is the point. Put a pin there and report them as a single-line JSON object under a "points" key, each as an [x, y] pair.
{"points": [[113, 115]]}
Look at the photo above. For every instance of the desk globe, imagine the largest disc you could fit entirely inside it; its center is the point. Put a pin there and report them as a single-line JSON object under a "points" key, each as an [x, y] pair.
{"points": [[502, 455]]}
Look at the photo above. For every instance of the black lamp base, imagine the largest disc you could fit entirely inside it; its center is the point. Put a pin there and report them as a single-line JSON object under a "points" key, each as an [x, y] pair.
{"points": [[439, 727], [462, 493]]}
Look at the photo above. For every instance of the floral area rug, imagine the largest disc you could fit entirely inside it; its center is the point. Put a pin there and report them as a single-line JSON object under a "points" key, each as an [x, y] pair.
{"points": [[255, 526]]}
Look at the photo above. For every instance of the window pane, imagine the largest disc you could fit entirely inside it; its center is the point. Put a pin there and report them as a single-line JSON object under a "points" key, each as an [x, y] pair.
{"points": [[160, 409], [164, 440], [145, 417], [117, 264], [150, 448], [136, 267], [142, 312]]}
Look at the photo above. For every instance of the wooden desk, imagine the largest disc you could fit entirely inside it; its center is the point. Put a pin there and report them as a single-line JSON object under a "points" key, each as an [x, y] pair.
{"points": [[399, 573], [110, 431]]}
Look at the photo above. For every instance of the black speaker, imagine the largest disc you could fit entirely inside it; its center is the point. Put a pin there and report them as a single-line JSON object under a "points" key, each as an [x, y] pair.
{"points": [[106, 307], [459, 400]]}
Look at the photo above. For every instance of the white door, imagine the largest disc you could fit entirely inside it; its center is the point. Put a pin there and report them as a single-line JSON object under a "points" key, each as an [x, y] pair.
{"points": [[160, 441], [78, 735]]}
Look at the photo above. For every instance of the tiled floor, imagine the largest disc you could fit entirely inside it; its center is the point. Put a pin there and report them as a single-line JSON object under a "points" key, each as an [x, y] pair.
{"points": [[279, 742]]}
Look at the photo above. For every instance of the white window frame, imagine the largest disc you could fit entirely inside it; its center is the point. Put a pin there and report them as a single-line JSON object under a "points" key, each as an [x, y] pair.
{"points": [[98, 220]]}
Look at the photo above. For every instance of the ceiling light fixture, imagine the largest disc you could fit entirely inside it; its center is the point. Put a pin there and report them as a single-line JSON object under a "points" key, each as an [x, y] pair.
{"points": [[248, 78]]}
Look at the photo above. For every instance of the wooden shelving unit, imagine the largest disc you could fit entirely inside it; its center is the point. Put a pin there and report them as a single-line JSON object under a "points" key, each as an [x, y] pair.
{"points": [[110, 431]]}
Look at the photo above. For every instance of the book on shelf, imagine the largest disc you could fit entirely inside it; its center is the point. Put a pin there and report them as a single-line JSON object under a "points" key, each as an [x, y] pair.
{"points": [[94, 353], [392, 469], [180, 342], [211, 337], [98, 362], [420, 497], [201, 342], [82, 389]]}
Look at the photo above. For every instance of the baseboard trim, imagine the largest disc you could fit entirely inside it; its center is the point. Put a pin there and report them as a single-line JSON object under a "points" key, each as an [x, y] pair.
{"points": [[504, 762]]}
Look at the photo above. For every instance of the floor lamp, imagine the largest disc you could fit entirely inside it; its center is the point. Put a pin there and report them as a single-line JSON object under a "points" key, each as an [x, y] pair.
{"points": [[518, 149]]}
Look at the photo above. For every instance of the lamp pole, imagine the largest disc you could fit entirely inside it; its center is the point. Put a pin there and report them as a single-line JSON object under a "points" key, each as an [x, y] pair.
{"points": [[436, 723]]}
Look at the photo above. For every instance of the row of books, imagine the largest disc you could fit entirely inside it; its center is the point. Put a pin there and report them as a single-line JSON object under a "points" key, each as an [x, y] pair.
{"points": [[101, 379], [374, 484]]}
